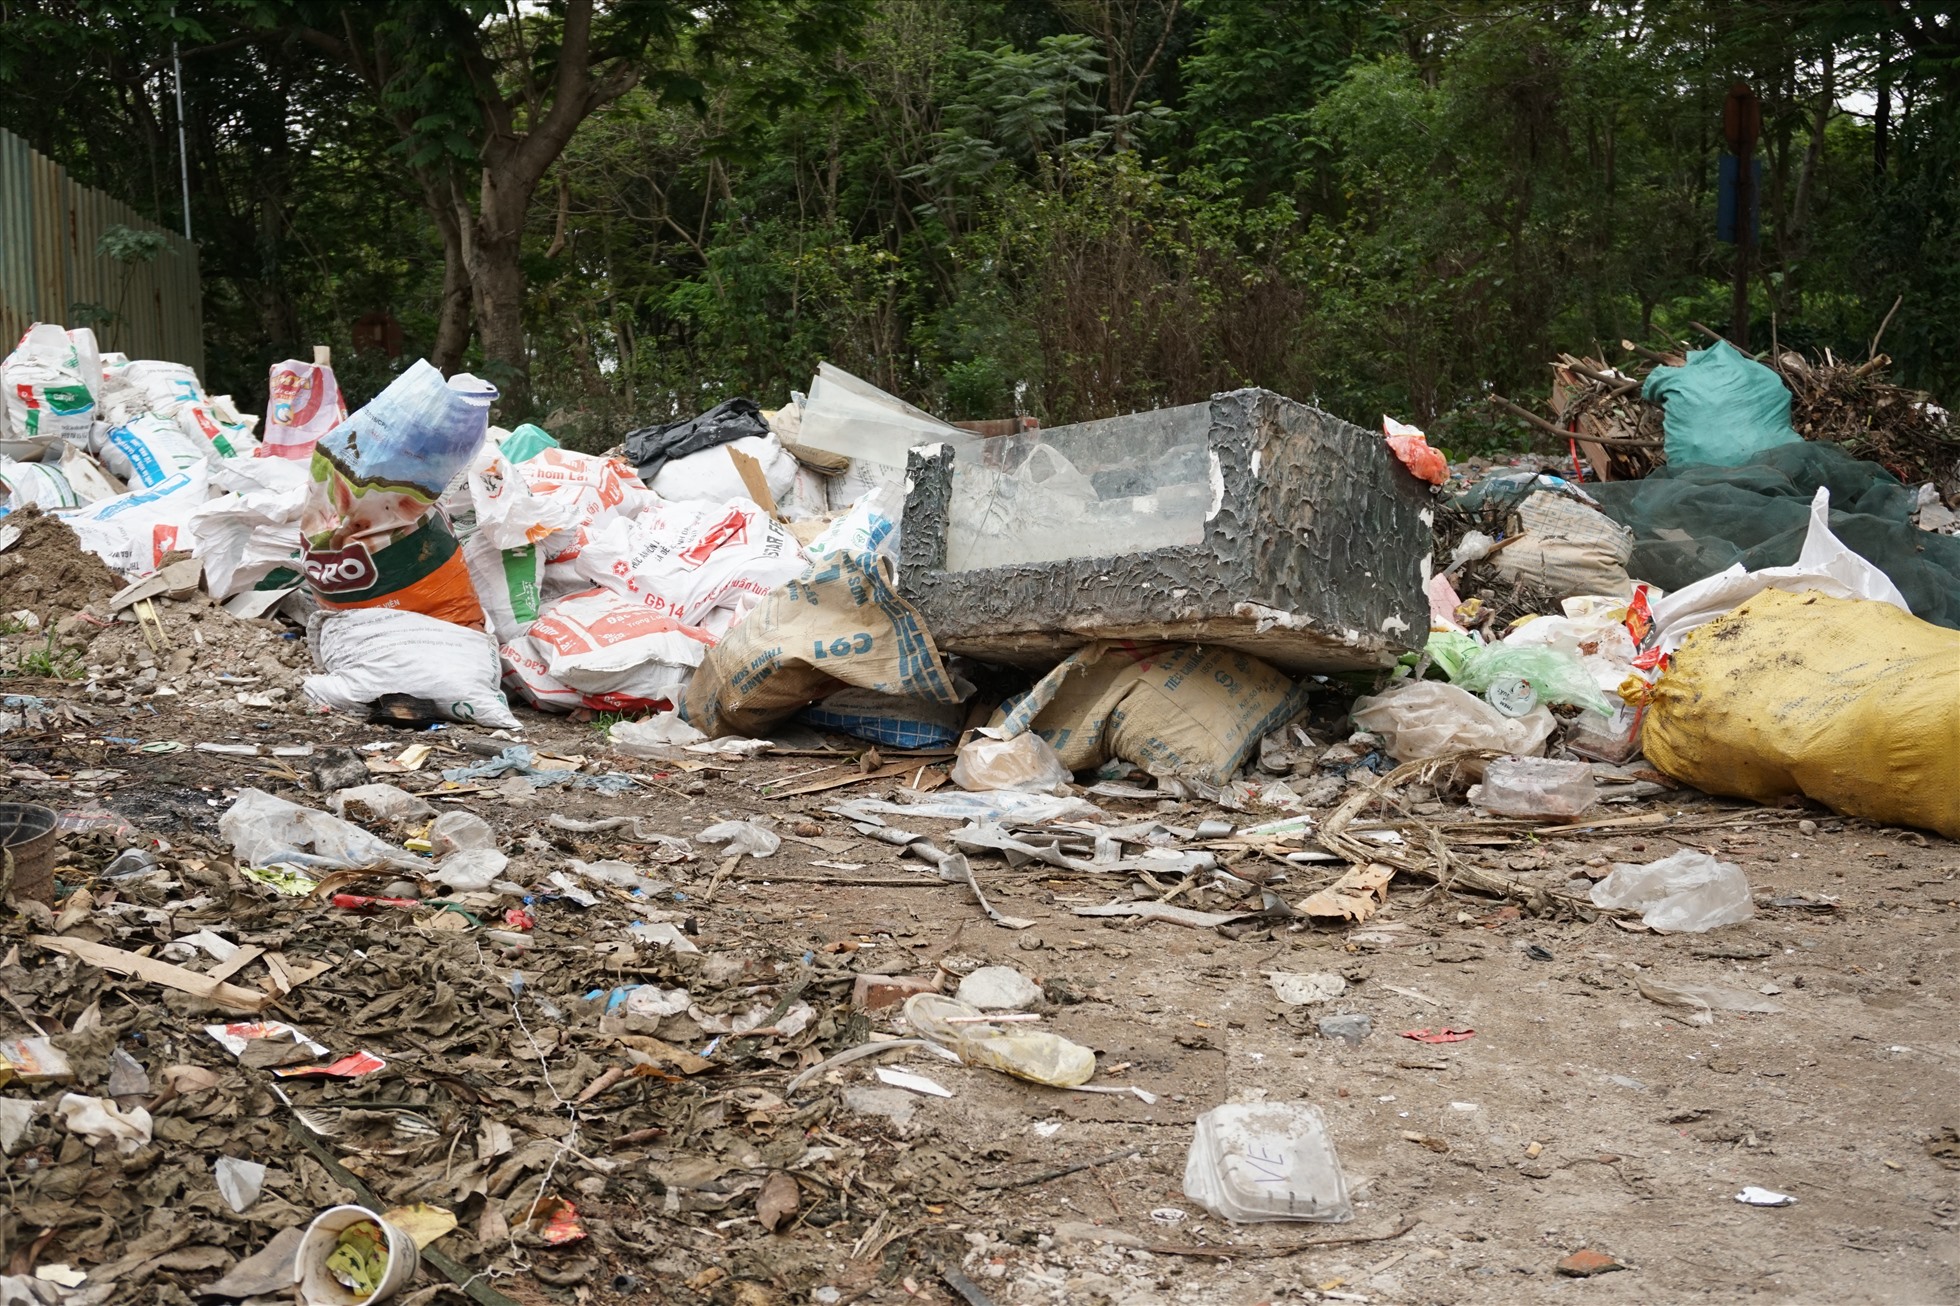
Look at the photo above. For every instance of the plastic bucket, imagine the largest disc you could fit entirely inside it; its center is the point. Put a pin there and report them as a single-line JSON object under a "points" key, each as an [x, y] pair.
{"points": [[317, 1284], [27, 833]]}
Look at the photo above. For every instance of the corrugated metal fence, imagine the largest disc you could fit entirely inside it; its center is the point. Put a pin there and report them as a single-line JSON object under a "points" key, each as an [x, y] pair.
{"points": [[49, 225]]}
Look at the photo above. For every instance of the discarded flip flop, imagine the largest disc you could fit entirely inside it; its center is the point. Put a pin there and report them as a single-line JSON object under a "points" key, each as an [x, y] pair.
{"points": [[1438, 1036]]}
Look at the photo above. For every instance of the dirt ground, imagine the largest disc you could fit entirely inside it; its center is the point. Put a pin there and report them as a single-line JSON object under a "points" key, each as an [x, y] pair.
{"points": [[1580, 1114]]}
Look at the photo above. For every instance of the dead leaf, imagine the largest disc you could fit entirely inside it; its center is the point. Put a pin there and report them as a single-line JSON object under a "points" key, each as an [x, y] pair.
{"points": [[777, 1201], [1356, 896], [185, 1080], [421, 1222]]}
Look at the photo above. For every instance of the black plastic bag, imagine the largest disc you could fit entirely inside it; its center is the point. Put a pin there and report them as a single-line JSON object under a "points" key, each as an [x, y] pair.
{"points": [[652, 447]]}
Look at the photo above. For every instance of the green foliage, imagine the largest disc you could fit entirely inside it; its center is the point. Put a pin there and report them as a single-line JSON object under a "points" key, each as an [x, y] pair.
{"points": [[49, 662], [1067, 208], [128, 246]]}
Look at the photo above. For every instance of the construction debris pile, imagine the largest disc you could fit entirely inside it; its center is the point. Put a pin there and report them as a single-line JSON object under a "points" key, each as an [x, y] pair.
{"points": [[422, 836]]}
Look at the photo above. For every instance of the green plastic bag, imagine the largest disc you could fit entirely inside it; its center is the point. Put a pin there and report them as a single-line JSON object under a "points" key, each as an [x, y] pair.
{"points": [[1722, 407], [1554, 676]]}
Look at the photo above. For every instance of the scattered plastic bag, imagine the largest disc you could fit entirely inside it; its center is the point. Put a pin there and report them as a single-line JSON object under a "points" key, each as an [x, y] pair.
{"points": [[1025, 762], [1850, 702], [1426, 718], [597, 650], [1720, 407], [844, 624], [372, 534], [379, 802], [50, 382], [1412, 450], [98, 1121], [269, 831], [303, 403], [1260, 1161], [375, 651], [744, 838], [471, 870], [1018, 1050], [1188, 710], [1686, 893], [455, 832]]}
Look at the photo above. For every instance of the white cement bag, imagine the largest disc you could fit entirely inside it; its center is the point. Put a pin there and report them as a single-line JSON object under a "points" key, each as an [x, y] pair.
{"points": [[611, 651], [861, 478], [509, 584], [869, 529], [151, 449], [808, 497], [51, 381], [166, 388], [369, 652], [252, 530], [508, 513], [711, 474], [228, 439], [597, 491], [684, 560], [122, 400], [39, 484], [133, 532]]}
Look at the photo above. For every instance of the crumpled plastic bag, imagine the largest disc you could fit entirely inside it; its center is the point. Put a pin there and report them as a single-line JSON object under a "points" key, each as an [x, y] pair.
{"points": [[1426, 718], [744, 838], [99, 1121], [1027, 763], [1412, 449], [269, 831], [1684, 893]]}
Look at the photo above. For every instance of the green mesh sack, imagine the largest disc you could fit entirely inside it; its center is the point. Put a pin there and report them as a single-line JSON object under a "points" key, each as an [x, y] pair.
{"points": [[1692, 521]]}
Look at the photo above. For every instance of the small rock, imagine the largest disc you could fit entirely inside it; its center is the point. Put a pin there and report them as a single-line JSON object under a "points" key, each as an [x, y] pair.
{"points": [[1585, 1263], [878, 992], [1806, 827], [999, 988], [1350, 1029], [893, 1104]]}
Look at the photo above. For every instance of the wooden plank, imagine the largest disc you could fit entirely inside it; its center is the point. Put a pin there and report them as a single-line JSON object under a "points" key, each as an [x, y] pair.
{"points": [[162, 973], [238, 961], [751, 473]]}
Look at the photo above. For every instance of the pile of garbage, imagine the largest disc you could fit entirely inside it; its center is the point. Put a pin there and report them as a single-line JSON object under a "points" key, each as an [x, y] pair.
{"points": [[452, 974]]}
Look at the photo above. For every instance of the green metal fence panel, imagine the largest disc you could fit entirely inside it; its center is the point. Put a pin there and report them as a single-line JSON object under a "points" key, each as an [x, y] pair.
{"points": [[49, 267]]}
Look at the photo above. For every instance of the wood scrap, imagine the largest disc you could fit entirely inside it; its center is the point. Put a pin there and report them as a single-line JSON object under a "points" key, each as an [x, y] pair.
{"points": [[150, 970]]}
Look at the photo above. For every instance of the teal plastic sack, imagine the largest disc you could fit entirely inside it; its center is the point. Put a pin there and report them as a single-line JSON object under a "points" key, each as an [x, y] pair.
{"points": [[1721, 407], [526, 442]]}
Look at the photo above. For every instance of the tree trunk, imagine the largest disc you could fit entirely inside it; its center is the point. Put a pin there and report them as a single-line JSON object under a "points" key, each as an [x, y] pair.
{"points": [[497, 287], [453, 313]]}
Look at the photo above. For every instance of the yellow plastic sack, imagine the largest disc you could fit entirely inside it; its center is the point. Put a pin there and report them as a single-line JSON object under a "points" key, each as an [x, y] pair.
{"points": [[1848, 701]]}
